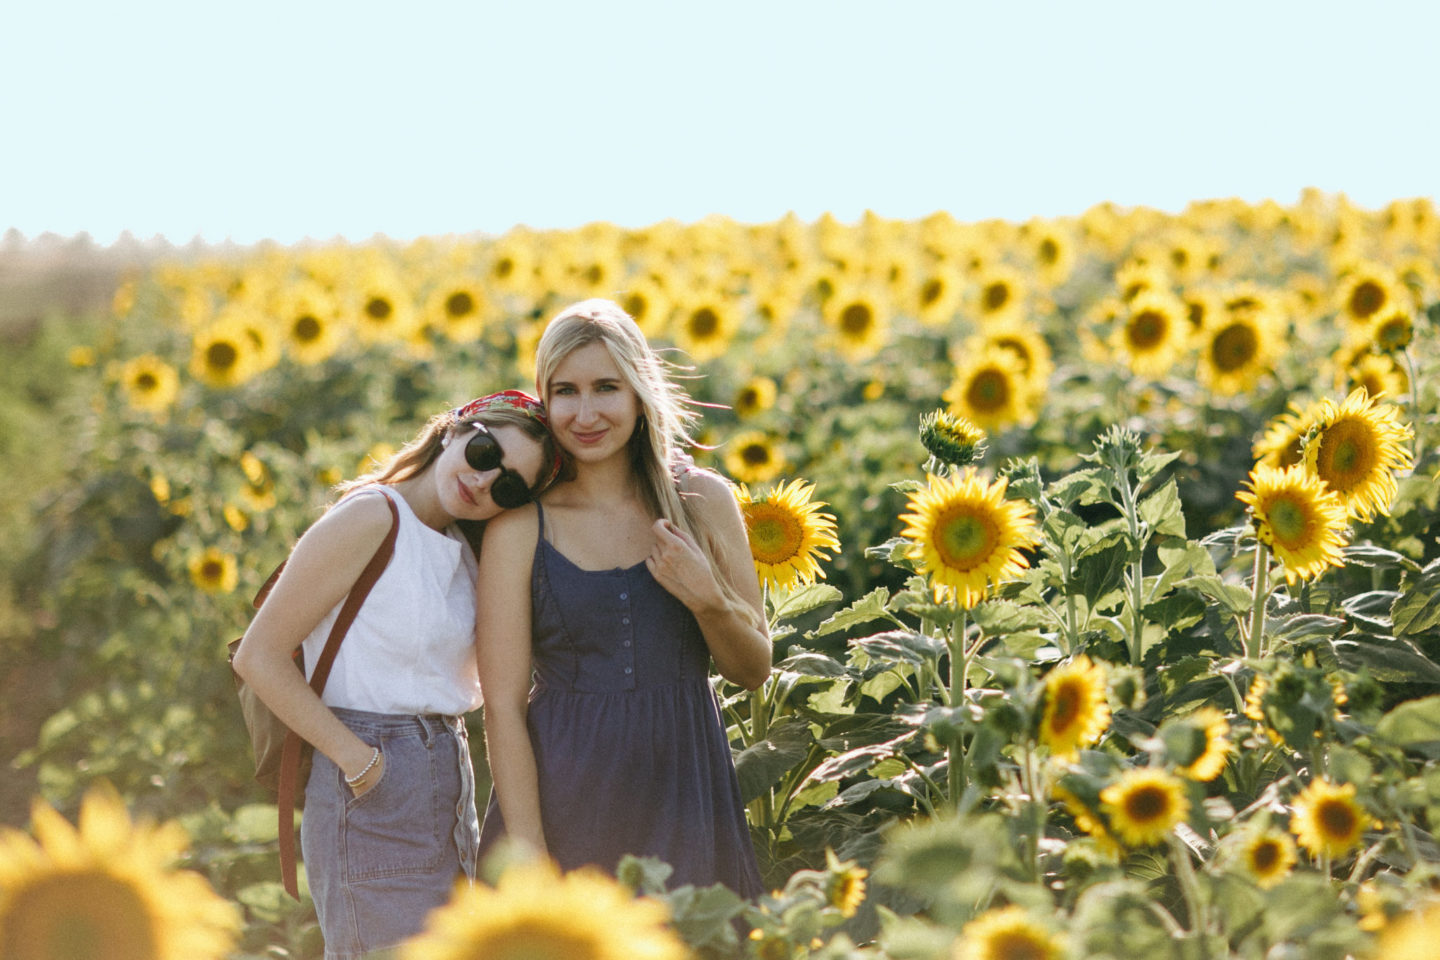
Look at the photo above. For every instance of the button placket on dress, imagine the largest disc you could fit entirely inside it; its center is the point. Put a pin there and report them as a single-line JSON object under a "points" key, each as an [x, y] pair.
{"points": [[626, 629]]}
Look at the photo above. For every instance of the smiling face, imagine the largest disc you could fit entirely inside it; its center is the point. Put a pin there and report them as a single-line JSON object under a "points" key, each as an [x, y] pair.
{"points": [[593, 410], [463, 490]]}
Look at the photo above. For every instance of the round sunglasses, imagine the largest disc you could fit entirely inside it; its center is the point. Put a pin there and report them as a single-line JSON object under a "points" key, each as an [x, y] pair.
{"points": [[483, 453]]}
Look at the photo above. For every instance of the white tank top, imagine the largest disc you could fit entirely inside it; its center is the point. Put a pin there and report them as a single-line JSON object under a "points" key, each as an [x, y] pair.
{"points": [[411, 648]]}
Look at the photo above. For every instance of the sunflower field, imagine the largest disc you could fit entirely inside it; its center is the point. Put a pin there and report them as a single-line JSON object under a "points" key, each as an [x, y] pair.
{"points": [[1101, 556]]}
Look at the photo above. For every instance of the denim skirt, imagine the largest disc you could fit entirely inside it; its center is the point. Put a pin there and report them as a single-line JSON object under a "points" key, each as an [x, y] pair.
{"points": [[377, 864]]}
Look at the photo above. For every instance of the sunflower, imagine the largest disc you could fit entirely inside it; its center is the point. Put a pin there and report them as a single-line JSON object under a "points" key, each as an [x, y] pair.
{"points": [[1087, 822], [858, 321], [1364, 296], [1327, 819], [1378, 374], [1283, 443], [1076, 712], [1053, 252], [1266, 856], [1393, 331], [222, 356], [382, 308], [150, 383], [1152, 333], [966, 536], [756, 396], [704, 326], [1007, 933], [787, 533], [1144, 805], [1412, 936], [844, 884], [259, 490], [753, 457], [991, 390], [214, 571], [536, 913], [456, 308], [1022, 340], [999, 294], [509, 263], [106, 889], [937, 294], [1356, 448], [309, 323], [1301, 520], [1237, 350], [648, 304], [951, 439], [1211, 739]]}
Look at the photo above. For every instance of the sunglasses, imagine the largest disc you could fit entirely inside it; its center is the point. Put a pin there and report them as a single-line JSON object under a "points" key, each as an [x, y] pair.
{"points": [[483, 453]]}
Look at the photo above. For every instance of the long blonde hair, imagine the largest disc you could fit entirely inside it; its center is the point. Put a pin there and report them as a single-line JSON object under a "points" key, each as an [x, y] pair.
{"points": [[658, 448]]}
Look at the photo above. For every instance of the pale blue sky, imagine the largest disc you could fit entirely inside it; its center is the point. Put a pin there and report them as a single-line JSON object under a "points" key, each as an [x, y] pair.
{"points": [[293, 119]]}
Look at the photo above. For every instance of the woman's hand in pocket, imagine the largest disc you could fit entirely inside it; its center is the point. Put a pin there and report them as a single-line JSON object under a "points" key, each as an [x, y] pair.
{"points": [[368, 780]]}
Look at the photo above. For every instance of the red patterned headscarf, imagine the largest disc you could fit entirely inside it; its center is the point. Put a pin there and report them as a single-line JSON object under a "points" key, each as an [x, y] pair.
{"points": [[524, 403]]}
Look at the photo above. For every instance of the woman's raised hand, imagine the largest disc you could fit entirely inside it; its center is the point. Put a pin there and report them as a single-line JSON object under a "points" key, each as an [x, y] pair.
{"points": [[677, 564]]}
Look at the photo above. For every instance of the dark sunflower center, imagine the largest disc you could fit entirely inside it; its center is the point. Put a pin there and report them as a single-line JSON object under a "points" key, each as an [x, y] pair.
{"points": [[755, 454], [856, 320], [502, 268], [378, 308], [1347, 455], [1049, 252], [75, 916], [1234, 347], [306, 329], [1336, 818], [996, 296], [931, 292], [1146, 804], [221, 355], [1366, 299], [1148, 329], [965, 540], [1265, 856], [212, 570], [989, 391], [146, 382], [1017, 945], [635, 304], [1290, 522], [459, 304], [775, 534], [704, 323], [1067, 707]]}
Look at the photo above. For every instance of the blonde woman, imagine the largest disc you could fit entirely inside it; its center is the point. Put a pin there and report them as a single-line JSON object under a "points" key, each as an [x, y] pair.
{"points": [[390, 817], [606, 603]]}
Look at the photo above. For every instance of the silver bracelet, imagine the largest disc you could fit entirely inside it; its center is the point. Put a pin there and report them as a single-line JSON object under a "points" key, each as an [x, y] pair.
{"points": [[374, 759]]}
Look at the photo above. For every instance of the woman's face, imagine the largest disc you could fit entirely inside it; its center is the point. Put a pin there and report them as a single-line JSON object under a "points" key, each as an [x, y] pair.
{"points": [[465, 491], [592, 409]]}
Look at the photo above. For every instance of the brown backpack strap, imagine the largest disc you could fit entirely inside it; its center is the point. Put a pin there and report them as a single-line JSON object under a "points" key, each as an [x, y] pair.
{"points": [[290, 754]]}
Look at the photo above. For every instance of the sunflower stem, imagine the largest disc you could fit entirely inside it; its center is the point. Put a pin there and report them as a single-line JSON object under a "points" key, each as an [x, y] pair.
{"points": [[1189, 888], [1137, 571], [959, 678], [1255, 639]]}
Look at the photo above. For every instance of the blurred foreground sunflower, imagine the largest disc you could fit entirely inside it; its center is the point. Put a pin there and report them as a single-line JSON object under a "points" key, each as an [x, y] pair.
{"points": [[1144, 805], [1076, 710], [1327, 819], [966, 536], [536, 913], [106, 889], [1007, 933], [1357, 446], [1301, 520], [788, 533], [1208, 733]]}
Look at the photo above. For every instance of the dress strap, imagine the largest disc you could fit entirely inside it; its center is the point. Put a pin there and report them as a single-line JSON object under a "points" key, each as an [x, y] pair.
{"points": [[540, 515]]}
